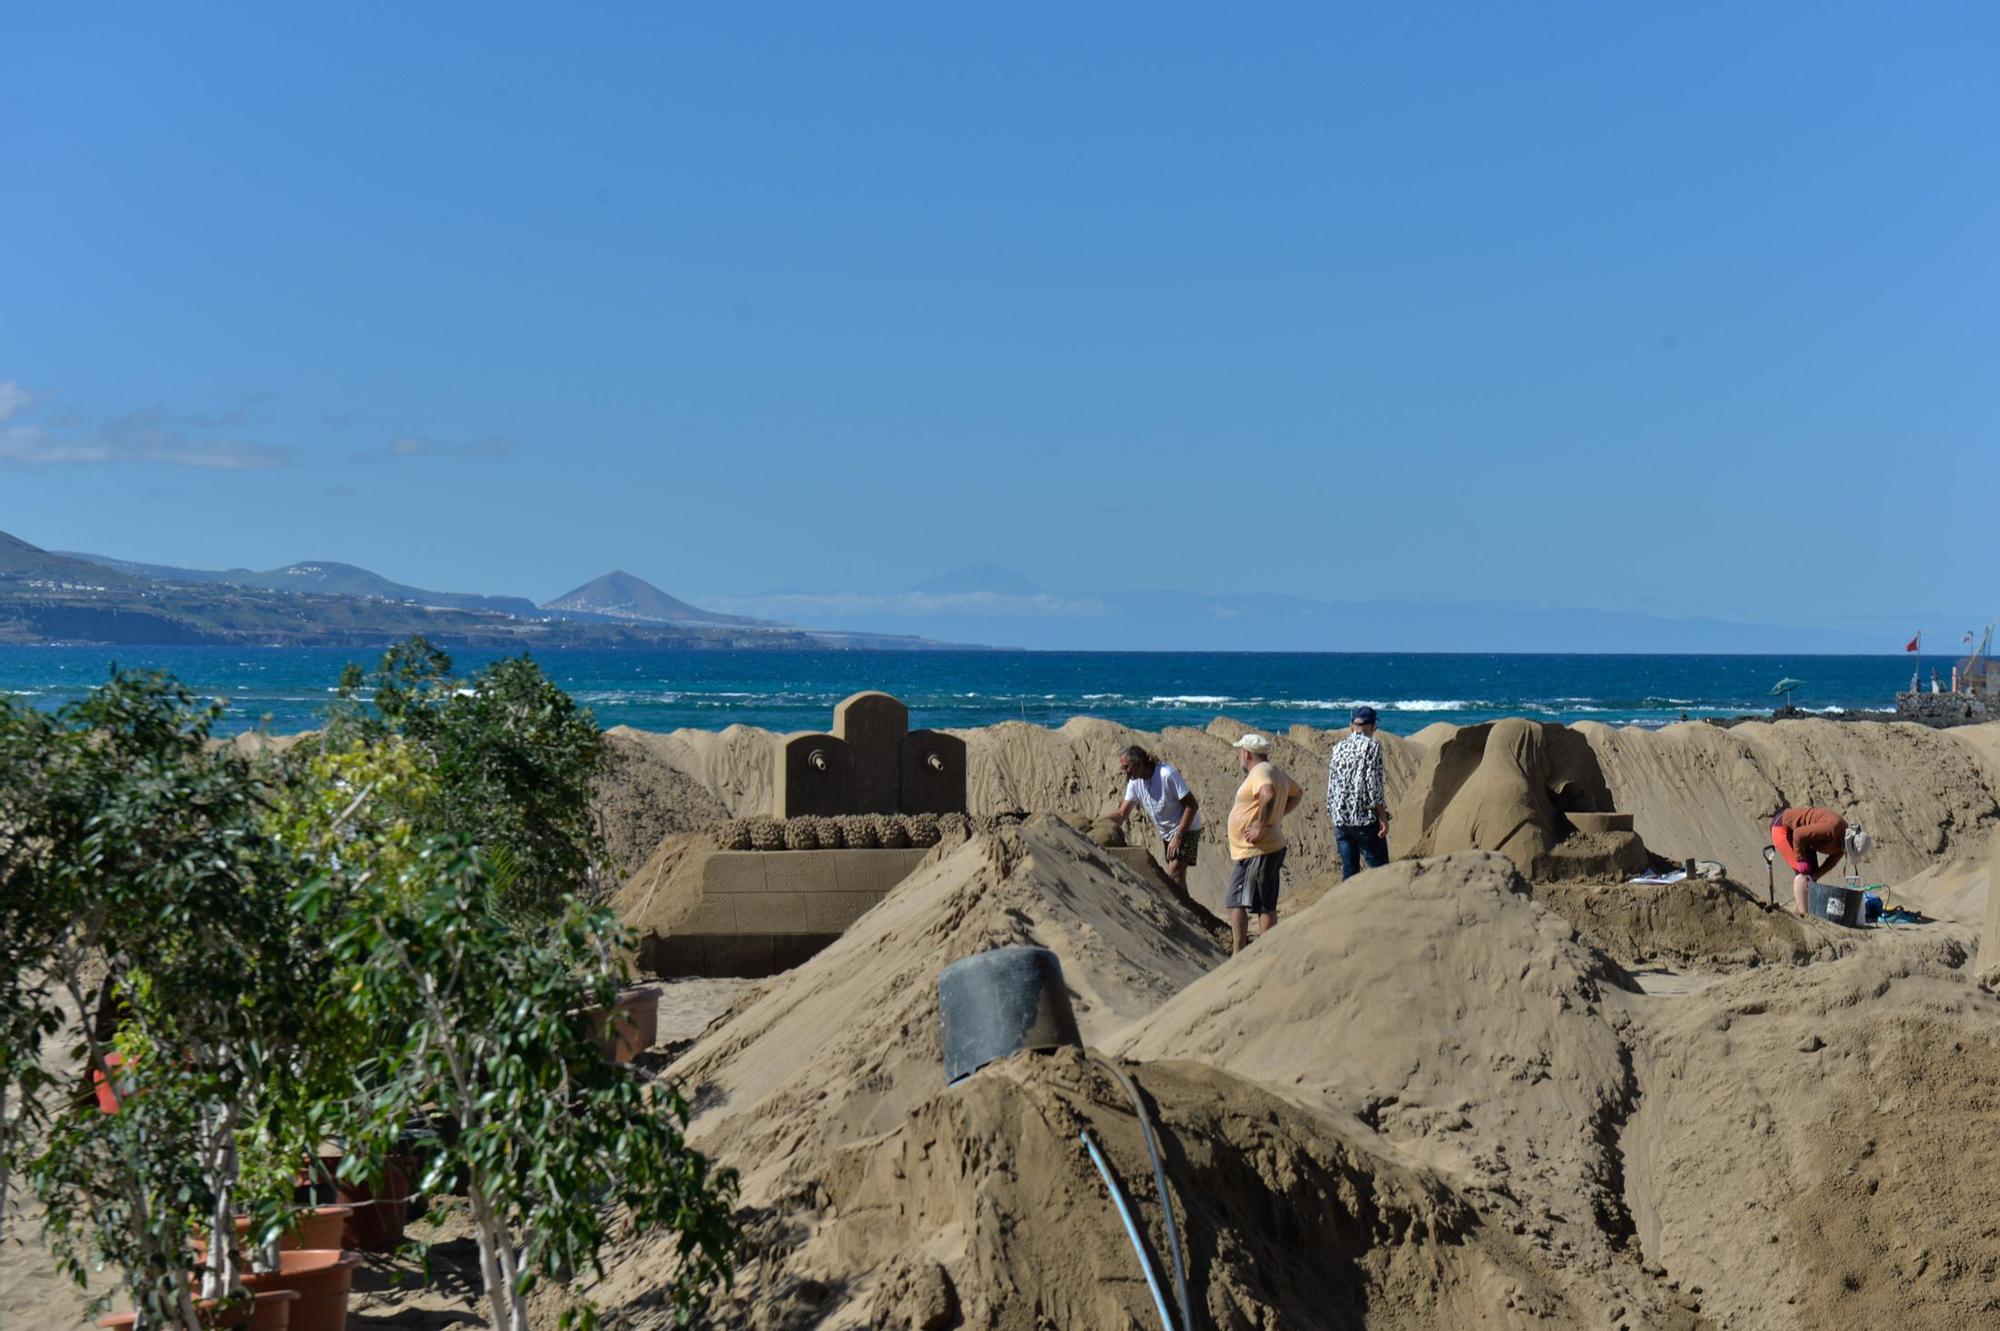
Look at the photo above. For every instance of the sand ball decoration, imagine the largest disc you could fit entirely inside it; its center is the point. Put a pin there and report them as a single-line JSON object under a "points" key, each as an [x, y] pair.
{"points": [[857, 831], [733, 835], [922, 829], [890, 833], [766, 834], [801, 834], [832, 836]]}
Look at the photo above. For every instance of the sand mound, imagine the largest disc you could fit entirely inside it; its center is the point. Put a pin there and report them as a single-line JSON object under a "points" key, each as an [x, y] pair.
{"points": [[1437, 1004], [1700, 924], [1705, 792], [647, 795], [842, 1046], [1815, 1147], [980, 1209]]}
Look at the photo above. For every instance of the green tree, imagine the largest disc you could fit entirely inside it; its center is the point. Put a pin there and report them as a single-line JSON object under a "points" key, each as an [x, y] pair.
{"points": [[511, 758], [31, 920], [498, 1035], [152, 849]]}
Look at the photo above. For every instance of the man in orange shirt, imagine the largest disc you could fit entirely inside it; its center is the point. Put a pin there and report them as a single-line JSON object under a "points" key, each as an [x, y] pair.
{"points": [[1256, 840], [1803, 835]]}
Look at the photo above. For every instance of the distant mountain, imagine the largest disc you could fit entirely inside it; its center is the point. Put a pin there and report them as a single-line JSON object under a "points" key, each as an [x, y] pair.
{"points": [[47, 597], [20, 561], [620, 595], [979, 578], [319, 577]]}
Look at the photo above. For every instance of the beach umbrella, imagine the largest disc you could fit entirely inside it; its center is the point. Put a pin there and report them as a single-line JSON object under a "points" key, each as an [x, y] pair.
{"points": [[1785, 686]]}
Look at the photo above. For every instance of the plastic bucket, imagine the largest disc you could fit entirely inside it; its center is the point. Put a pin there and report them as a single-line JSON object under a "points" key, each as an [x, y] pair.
{"points": [[997, 1003], [1837, 904]]}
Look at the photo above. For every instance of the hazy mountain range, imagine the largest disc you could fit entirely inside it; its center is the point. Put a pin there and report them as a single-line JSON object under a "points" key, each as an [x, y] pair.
{"points": [[56, 597], [48, 596]]}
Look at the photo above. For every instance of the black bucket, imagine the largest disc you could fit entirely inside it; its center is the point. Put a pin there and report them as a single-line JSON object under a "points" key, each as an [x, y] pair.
{"points": [[997, 1003], [1837, 904]]}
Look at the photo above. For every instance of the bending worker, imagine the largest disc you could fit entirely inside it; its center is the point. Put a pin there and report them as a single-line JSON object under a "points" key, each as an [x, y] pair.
{"points": [[1802, 836], [1175, 811]]}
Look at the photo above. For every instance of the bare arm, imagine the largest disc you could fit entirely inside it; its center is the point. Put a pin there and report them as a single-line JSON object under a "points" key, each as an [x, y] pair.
{"points": [[1189, 804]]}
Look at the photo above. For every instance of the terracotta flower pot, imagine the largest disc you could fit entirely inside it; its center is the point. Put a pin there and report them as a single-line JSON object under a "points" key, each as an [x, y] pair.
{"points": [[270, 1312], [107, 1095], [380, 1206], [321, 1277], [321, 1227], [631, 1027]]}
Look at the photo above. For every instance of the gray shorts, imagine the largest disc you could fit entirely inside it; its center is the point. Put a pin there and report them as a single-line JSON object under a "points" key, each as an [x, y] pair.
{"points": [[1253, 884]]}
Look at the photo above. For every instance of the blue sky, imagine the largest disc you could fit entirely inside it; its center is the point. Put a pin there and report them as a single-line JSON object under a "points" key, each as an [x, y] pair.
{"points": [[1687, 309]]}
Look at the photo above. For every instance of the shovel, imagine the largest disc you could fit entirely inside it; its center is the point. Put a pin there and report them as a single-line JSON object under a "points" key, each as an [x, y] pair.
{"points": [[1771, 876]]}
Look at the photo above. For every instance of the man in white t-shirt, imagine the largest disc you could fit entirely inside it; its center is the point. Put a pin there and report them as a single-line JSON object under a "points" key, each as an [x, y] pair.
{"points": [[1163, 792]]}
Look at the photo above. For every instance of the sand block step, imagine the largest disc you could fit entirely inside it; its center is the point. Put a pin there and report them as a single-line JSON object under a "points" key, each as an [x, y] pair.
{"points": [[1589, 823]]}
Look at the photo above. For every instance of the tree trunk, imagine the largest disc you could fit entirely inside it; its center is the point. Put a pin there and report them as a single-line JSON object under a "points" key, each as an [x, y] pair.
{"points": [[487, 1229]]}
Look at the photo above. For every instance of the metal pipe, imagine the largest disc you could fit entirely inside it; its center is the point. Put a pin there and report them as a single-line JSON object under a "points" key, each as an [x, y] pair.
{"points": [[1159, 1182], [1131, 1229]]}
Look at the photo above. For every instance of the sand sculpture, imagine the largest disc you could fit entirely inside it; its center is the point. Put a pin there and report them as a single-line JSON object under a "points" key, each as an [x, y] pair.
{"points": [[1530, 791], [871, 762]]}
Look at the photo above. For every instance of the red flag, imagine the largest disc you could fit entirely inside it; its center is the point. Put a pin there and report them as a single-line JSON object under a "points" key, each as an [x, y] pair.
{"points": [[1911, 646]]}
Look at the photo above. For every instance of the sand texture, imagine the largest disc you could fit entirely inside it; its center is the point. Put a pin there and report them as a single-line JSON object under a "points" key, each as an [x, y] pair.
{"points": [[1481, 1086]]}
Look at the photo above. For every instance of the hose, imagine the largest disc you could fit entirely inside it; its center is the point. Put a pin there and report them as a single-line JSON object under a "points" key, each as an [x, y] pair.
{"points": [[1131, 1229], [1159, 1181]]}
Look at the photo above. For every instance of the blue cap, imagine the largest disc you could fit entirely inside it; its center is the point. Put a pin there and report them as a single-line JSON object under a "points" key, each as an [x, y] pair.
{"points": [[1364, 716]]}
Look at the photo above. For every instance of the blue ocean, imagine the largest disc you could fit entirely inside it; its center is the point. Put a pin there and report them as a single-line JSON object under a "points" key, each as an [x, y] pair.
{"points": [[287, 689]]}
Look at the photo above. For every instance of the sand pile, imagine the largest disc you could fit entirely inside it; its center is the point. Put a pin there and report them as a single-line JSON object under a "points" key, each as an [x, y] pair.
{"points": [[980, 1209], [1428, 1063], [1466, 1027], [842, 1046], [1704, 792], [1815, 1147], [662, 784], [1700, 924]]}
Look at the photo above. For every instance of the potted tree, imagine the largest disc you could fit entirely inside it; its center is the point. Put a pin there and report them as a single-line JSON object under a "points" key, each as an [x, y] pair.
{"points": [[153, 853], [548, 1131]]}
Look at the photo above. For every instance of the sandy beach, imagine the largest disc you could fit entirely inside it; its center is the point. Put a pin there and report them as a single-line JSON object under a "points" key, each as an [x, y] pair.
{"points": [[1481, 1086]]}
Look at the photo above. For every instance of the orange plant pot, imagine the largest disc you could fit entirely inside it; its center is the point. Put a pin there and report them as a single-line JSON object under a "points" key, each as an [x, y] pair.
{"points": [[107, 1095], [321, 1227], [379, 1207], [631, 1027], [322, 1278], [271, 1312]]}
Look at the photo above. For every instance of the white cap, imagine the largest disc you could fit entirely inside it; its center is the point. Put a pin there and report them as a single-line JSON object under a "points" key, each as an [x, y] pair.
{"points": [[1254, 743]]}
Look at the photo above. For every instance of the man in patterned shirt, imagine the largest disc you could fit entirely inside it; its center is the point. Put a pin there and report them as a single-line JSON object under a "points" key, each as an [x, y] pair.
{"points": [[1355, 798]]}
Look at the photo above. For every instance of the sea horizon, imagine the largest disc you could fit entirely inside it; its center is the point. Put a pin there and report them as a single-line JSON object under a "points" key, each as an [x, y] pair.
{"points": [[287, 689]]}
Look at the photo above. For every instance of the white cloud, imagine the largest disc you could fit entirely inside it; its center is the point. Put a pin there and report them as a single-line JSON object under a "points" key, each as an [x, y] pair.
{"points": [[14, 399], [150, 434], [33, 446]]}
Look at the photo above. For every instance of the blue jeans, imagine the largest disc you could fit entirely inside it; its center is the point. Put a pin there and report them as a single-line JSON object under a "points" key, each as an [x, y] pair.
{"points": [[1361, 842]]}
